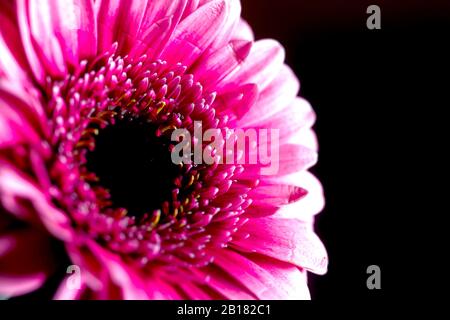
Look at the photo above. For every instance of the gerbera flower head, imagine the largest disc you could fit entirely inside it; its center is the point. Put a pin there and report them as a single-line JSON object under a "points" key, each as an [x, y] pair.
{"points": [[91, 95]]}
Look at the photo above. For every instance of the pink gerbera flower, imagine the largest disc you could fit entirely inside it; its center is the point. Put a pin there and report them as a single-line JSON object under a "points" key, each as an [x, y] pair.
{"points": [[90, 93]]}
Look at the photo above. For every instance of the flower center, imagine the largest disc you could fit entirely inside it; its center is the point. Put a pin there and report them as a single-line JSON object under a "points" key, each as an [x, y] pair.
{"points": [[134, 165], [113, 171]]}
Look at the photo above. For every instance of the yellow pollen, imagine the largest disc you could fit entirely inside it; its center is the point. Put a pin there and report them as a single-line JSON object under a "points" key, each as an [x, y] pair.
{"points": [[163, 104], [191, 181], [168, 128], [156, 218]]}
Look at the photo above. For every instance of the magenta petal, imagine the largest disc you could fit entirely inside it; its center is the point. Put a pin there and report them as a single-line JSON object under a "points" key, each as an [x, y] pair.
{"points": [[26, 100], [65, 292], [20, 120], [281, 92], [292, 280], [294, 123], [124, 278], [292, 158], [243, 31], [157, 10], [21, 198], [288, 240], [277, 194], [191, 6], [194, 292], [37, 66], [273, 281], [222, 282], [76, 29], [195, 33], [212, 69], [263, 64], [134, 23], [237, 100], [12, 128], [57, 33], [227, 29], [154, 39], [119, 21], [25, 261], [311, 204], [13, 62], [106, 274], [161, 290]]}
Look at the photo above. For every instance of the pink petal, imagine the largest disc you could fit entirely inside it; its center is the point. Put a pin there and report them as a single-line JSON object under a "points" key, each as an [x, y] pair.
{"points": [[124, 278], [154, 23], [292, 279], [195, 33], [94, 274], [265, 282], [203, 2], [277, 194], [13, 63], [12, 128], [292, 158], [184, 284], [65, 292], [162, 290], [25, 261], [304, 137], [37, 66], [262, 65], [117, 19], [281, 92], [76, 29], [25, 98], [212, 69], [237, 100], [195, 292], [57, 33], [288, 240], [223, 283], [106, 274], [159, 9], [309, 205], [243, 31], [227, 29], [191, 6], [20, 121], [294, 123], [154, 39], [21, 198]]}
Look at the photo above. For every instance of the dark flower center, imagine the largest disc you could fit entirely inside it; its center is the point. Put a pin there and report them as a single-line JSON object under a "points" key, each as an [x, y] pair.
{"points": [[112, 124], [134, 165]]}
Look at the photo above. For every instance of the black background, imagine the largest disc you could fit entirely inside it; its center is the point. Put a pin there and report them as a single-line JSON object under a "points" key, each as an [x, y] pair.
{"points": [[376, 94]]}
